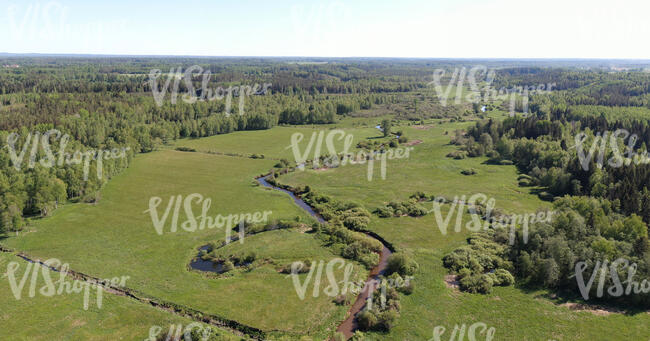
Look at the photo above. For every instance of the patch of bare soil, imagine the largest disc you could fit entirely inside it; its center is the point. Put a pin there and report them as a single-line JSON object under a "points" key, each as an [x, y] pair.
{"points": [[596, 310], [78, 323], [423, 127], [451, 281], [413, 143], [304, 228]]}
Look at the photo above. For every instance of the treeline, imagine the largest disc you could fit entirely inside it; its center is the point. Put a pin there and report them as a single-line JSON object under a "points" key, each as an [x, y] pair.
{"points": [[585, 236], [546, 152], [582, 87]]}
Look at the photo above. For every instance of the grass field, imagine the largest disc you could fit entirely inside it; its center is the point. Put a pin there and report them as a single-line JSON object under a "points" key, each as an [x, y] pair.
{"points": [[276, 142], [63, 317], [115, 238]]}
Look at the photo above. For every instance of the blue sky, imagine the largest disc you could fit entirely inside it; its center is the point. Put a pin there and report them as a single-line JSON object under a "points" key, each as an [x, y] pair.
{"points": [[401, 28]]}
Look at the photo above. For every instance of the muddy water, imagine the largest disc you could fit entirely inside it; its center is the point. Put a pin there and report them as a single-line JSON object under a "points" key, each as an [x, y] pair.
{"points": [[349, 326], [206, 265]]}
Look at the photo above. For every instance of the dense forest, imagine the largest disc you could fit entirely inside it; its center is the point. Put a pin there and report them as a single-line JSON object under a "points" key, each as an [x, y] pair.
{"points": [[97, 103], [585, 148]]}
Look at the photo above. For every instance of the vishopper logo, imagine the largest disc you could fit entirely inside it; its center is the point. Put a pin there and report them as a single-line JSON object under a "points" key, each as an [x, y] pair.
{"points": [[476, 332], [600, 142], [51, 21], [192, 332], [620, 266], [336, 159], [78, 157], [479, 79], [344, 286], [488, 205], [196, 72], [202, 221], [59, 287]]}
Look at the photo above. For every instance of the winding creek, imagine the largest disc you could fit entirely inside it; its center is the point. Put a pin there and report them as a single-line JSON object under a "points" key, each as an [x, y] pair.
{"points": [[349, 325]]}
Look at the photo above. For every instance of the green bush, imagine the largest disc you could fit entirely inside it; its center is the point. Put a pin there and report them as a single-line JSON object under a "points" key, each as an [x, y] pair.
{"points": [[366, 320], [384, 212], [470, 171], [386, 319], [477, 284], [418, 195], [417, 210], [504, 277], [402, 264], [464, 272], [356, 223], [458, 154], [228, 266]]}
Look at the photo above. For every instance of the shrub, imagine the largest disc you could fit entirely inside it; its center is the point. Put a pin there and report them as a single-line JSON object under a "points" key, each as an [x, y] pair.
{"points": [[369, 259], [384, 212], [470, 171], [356, 223], [354, 251], [464, 272], [185, 149], [407, 288], [503, 277], [525, 183], [386, 319], [476, 284], [366, 320], [402, 264], [457, 154], [228, 266], [358, 336], [416, 210], [418, 195]]}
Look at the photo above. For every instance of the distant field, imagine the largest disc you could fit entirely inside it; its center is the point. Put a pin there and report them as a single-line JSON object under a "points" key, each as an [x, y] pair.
{"points": [[276, 142]]}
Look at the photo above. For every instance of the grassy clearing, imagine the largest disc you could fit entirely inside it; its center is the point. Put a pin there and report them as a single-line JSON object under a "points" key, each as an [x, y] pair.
{"points": [[276, 142]]}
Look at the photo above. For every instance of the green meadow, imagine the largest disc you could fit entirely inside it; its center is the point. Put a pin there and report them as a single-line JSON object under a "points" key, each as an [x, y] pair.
{"points": [[63, 316], [276, 142], [116, 237]]}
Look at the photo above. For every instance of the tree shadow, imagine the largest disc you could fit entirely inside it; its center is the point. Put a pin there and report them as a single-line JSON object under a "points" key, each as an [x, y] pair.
{"points": [[561, 297]]}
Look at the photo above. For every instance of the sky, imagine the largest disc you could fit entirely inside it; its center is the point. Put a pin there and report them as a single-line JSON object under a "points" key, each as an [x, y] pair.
{"points": [[323, 28]]}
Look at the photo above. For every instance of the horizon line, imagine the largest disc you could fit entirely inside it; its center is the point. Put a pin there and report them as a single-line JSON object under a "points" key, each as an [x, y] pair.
{"points": [[320, 57]]}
